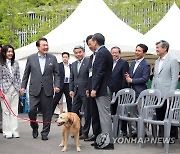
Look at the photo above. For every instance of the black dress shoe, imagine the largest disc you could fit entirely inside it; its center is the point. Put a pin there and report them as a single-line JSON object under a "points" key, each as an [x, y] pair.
{"points": [[1, 131], [83, 136], [35, 133], [44, 137], [134, 135], [94, 144], [92, 138], [124, 134], [174, 136], [110, 146]]}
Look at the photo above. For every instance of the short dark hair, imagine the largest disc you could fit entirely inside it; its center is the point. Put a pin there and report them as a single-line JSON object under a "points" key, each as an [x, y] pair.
{"points": [[78, 47], [116, 47], [164, 44], [0, 45], [143, 46], [99, 38], [65, 53], [41, 39], [88, 38]]}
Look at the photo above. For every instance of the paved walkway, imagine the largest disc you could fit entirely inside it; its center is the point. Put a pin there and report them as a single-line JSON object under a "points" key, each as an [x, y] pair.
{"points": [[27, 145]]}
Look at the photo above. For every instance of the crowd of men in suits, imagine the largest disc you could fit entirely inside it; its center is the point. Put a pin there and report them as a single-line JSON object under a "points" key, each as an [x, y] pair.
{"points": [[108, 74], [88, 84]]}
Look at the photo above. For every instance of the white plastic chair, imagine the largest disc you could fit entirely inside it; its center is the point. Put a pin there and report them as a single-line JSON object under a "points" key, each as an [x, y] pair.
{"points": [[146, 98], [172, 116], [126, 97]]}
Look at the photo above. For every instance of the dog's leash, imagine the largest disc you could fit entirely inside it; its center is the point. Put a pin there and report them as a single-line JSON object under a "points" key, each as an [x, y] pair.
{"points": [[12, 112]]}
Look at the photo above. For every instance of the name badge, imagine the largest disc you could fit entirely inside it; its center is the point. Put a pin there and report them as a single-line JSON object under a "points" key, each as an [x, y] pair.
{"points": [[66, 80], [90, 72]]}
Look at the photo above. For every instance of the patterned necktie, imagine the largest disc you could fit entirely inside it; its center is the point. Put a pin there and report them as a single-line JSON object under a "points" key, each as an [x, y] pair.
{"points": [[78, 66]]}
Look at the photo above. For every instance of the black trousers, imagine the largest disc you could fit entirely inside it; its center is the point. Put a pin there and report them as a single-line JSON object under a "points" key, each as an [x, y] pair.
{"points": [[81, 102], [58, 96], [96, 127], [45, 103], [160, 113]]}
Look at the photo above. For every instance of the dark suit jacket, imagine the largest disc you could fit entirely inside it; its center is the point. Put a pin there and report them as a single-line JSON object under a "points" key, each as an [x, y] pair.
{"points": [[47, 80], [78, 81], [119, 81], [102, 72], [62, 73], [89, 84], [140, 77]]}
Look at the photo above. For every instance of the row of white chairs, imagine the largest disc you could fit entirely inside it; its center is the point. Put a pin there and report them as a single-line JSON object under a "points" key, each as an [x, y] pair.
{"points": [[147, 102]]}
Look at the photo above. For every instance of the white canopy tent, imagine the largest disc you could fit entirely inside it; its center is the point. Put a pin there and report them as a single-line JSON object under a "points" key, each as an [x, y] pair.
{"points": [[91, 16], [167, 29]]}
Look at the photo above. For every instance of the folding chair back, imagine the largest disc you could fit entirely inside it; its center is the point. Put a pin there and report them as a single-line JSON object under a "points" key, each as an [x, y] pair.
{"points": [[172, 116], [125, 98], [148, 97], [173, 107]]}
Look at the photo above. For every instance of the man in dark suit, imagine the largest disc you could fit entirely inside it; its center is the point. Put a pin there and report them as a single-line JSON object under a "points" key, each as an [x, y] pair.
{"points": [[77, 86], [120, 67], [139, 74], [64, 72], [96, 127], [42, 68], [101, 85]]}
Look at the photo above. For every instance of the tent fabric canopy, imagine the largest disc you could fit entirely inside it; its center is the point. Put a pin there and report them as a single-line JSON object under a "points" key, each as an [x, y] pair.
{"points": [[91, 16], [167, 29], [94, 16]]}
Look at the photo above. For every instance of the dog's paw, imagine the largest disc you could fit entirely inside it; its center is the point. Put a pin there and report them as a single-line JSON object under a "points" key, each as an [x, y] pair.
{"points": [[64, 149], [78, 149], [61, 145]]}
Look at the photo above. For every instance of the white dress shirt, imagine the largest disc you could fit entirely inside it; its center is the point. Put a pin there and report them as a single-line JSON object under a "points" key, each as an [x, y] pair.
{"points": [[42, 61], [115, 62], [161, 61], [94, 56], [137, 64], [67, 72], [8, 62]]}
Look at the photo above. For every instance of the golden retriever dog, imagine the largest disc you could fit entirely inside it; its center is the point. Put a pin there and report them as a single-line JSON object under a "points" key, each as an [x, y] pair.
{"points": [[70, 123]]}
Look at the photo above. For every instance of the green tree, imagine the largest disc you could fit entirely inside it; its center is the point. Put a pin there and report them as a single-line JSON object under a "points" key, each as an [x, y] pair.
{"points": [[52, 13], [142, 15], [15, 18], [11, 20]]}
